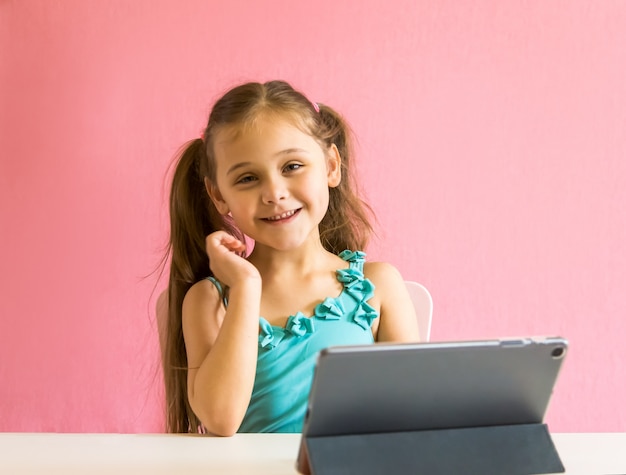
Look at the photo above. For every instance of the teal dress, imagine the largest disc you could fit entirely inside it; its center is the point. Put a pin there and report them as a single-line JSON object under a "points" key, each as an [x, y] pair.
{"points": [[287, 355]]}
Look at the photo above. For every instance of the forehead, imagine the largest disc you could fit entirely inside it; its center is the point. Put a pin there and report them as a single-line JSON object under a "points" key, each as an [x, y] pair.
{"points": [[265, 134]]}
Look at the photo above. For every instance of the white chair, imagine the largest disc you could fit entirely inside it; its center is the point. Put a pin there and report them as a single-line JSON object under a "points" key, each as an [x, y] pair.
{"points": [[423, 303], [161, 319]]}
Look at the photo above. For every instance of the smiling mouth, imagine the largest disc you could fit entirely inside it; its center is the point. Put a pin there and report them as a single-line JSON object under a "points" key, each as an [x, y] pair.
{"points": [[285, 215]]}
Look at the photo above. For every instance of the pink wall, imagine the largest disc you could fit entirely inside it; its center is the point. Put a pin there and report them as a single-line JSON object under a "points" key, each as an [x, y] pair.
{"points": [[492, 143]]}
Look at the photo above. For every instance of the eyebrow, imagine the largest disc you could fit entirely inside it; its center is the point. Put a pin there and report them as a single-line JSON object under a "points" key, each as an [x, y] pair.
{"points": [[236, 167], [287, 151]]}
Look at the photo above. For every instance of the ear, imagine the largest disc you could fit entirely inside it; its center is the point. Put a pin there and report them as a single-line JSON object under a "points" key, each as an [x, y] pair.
{"points": [[216, 197], [333, 165]]}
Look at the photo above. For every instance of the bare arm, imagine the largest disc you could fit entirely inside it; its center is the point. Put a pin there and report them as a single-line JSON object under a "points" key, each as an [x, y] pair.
{"points": [[397, 322], [221, 343]]}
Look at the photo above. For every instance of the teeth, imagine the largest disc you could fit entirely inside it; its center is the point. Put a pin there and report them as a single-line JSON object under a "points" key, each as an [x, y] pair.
{"points": [[286, 214]]}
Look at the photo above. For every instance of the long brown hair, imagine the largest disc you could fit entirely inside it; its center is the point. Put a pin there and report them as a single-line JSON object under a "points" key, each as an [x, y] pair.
{"points": [[193, 216]]}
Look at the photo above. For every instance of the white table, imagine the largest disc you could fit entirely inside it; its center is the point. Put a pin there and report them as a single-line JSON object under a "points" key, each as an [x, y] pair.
{"points": [[275, 454]]}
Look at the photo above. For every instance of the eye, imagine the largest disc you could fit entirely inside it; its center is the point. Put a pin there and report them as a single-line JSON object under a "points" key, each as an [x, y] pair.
{"points": [[291, 167], [245, 179]]}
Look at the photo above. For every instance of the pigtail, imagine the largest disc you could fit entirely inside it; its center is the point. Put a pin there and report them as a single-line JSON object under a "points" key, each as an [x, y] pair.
{"points": [[192, 217], [346, 224]]}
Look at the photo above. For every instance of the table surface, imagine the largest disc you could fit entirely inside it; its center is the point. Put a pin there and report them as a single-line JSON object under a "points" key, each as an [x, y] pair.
{"points": [[275, 454]]}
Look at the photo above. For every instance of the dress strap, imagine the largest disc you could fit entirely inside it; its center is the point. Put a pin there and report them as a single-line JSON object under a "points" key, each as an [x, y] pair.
{"points": [[220, 289], [355, 259]]}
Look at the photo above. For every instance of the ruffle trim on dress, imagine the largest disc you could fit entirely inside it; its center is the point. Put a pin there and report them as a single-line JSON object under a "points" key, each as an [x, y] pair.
{"points": [[355, 285]]}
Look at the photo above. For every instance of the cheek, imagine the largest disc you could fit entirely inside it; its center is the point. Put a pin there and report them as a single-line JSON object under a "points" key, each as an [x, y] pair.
{"points": [[320, 191], [241, 205]]}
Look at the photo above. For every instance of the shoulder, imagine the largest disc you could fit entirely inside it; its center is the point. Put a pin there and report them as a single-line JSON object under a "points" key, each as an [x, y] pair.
{"points": [[202, 306], [201, 292], [387, 280], [397, 314], [382, 274]]}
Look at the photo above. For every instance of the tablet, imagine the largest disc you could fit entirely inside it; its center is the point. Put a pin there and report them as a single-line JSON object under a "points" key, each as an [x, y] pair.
{"points": [[407, 387]]}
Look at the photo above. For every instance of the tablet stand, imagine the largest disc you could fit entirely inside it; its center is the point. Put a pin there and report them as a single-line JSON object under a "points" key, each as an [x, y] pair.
{"points": [[499, 450]]}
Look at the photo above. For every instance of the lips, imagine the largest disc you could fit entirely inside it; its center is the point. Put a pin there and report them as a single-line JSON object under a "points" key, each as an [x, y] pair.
{"points": [[281, 216]]}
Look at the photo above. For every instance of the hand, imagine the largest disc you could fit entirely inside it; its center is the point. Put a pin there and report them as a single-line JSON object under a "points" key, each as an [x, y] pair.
{"points": [[229, 267]]}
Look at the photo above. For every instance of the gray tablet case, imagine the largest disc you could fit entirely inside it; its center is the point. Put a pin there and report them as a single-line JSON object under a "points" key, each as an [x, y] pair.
{"points": [[473, 407]]}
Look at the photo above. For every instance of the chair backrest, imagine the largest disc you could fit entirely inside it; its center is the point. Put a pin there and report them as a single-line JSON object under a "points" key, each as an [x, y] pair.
{"points": [[161, 319], [423, 303]]}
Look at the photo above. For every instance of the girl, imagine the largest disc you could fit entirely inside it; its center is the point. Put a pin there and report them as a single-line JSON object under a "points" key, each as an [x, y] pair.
{"points": [[275, 167]]}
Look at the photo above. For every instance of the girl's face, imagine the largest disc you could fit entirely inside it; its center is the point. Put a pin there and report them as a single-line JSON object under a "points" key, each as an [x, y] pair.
{"points": [[273, 179]]}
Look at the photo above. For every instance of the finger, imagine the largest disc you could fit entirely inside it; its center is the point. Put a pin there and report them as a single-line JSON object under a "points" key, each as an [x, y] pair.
{"points": [[234, 246], [225, 242]]}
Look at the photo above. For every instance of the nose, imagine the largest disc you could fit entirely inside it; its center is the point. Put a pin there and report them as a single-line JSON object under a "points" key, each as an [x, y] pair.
{"points": [[274, 190]]}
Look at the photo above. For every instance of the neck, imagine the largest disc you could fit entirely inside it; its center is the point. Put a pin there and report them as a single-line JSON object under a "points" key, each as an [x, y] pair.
{"points": [[304, 259]]}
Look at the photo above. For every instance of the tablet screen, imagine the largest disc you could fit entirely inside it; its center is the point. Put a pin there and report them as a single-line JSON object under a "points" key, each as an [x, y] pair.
{"points": [[397, 387]]}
